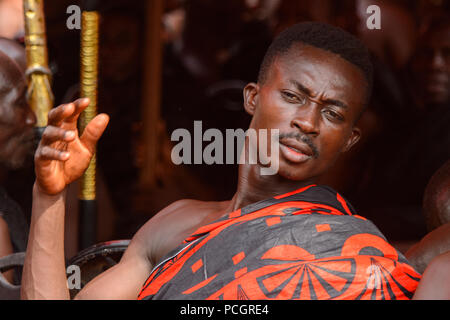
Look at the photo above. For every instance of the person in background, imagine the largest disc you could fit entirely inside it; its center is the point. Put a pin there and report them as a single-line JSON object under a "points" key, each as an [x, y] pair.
{"points": [[17, 121]]}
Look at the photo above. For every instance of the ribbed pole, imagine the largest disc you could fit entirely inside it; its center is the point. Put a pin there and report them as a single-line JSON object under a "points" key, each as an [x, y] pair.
{"points": [[88, 80]]}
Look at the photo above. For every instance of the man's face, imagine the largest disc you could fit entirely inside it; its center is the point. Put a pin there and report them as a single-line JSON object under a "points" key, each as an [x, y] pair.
{"points": [[314, 98], [431, 67], [16, 118]]}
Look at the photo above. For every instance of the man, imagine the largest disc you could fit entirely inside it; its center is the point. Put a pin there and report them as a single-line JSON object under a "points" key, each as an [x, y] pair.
{"points": [[16, 144], [436, 209], [431, 86], [280, 236], [430, 66]]}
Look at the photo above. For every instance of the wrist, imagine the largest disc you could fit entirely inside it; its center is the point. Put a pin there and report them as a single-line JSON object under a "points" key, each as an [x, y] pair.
{"points": [[38, 192]]}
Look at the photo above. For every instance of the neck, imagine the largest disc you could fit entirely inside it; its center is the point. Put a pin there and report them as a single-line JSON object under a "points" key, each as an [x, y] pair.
{"points": [[253, 187]]}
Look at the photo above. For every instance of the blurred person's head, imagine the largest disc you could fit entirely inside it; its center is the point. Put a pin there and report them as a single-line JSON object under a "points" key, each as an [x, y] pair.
{"points": [[11, 19], [120, 45], [431, 63], [15, 51], [16, 118], [436, 201], [338, 13]]}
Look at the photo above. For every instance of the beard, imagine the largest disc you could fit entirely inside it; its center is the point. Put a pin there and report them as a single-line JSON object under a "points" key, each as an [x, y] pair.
{"points": [[18, 151]]}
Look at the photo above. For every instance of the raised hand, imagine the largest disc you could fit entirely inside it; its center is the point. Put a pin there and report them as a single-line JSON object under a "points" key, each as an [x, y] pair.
{"points": [[62, 156]]}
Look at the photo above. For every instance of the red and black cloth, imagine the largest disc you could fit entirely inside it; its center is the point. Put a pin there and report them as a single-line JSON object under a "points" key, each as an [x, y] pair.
{"points": [[306, 244]]}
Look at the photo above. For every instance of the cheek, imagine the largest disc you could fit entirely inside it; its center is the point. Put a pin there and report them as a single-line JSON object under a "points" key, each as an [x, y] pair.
{"points": [[332, 144], [271, 113]]}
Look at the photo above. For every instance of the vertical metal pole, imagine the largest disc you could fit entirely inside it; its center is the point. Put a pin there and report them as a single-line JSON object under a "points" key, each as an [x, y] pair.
{"points": [[89, 76], [39, 94]]}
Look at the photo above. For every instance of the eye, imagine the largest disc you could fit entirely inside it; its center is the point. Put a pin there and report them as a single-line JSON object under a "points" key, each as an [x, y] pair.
{"points": [[293, 98], [333, 115]]}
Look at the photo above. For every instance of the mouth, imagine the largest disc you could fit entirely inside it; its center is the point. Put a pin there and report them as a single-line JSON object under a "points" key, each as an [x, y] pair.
{"points": [[437, 82], [295, 151]]}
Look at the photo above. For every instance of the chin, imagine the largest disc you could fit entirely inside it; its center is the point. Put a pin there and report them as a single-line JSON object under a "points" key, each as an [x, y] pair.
{"points": [[16, 162], [292, 173]]}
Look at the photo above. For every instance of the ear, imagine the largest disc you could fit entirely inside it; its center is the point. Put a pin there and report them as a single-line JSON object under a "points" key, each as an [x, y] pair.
{"points": [[353, 139], [251, 92]]}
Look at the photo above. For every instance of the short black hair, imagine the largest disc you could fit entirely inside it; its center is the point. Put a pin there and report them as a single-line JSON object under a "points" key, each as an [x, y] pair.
{"points": [[322, 36]]}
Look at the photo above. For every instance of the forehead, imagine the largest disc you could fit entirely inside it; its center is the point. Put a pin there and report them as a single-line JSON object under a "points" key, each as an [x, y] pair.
{"points": [[322, 72], [11, 76]]}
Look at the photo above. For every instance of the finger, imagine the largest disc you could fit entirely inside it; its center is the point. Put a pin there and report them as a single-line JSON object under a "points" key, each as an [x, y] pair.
{"points": [[58, 114], [48, 153], [94, 131], [67, 113], [52, 134], [80, 105]]}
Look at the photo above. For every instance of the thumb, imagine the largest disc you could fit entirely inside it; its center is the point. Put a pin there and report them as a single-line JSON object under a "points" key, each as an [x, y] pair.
{"points": [[94, 131]]}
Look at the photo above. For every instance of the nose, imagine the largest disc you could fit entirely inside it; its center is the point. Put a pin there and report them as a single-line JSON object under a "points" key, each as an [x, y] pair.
{"points": [[307, 119], [30, 118], [438, 61]]}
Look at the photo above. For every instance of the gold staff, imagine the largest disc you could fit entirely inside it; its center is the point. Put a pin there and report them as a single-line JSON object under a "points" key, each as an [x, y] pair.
{"points": [[88, 82], [39, 94]]}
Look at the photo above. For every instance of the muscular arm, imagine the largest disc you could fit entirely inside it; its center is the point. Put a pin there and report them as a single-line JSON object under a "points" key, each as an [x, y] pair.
{"points": [[431, 256], [124, 280], [435, 282], [61, 157], [160, 235], [44, 275], [44, 272], [433, 244]]}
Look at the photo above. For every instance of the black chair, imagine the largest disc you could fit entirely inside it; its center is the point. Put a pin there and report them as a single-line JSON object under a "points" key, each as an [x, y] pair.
{"points": [[9, 291]]}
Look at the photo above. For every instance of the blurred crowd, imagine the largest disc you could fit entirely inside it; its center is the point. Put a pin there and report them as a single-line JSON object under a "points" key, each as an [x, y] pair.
{"points": [[211, 50]]}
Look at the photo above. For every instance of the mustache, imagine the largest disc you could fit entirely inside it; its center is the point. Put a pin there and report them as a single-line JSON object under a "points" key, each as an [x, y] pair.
{"points": [[301, 137], [30, 140]]}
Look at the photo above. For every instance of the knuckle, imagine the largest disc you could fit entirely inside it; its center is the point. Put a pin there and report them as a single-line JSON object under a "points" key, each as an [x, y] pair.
{"points": [[37, 155], [51, 114], [44, 151], [52, 132], [48, 152], [47, 131]]}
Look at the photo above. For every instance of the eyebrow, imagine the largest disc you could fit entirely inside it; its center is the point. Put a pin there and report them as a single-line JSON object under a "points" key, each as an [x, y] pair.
{"points": [[308, 92]]}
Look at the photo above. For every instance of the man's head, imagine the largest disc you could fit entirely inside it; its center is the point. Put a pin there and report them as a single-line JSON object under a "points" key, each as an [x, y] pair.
{"points": [[16, 118], [15, 51], [314, 83], [431, 63], [436, 200]]}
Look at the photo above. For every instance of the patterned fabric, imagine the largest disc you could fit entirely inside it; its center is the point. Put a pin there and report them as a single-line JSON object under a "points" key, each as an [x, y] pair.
{"points": [[307, 244]]}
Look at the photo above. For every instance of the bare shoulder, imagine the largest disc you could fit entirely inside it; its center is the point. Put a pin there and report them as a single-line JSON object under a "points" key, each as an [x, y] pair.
{"points": [[5, 240], [169, 227], [3, 226]]}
